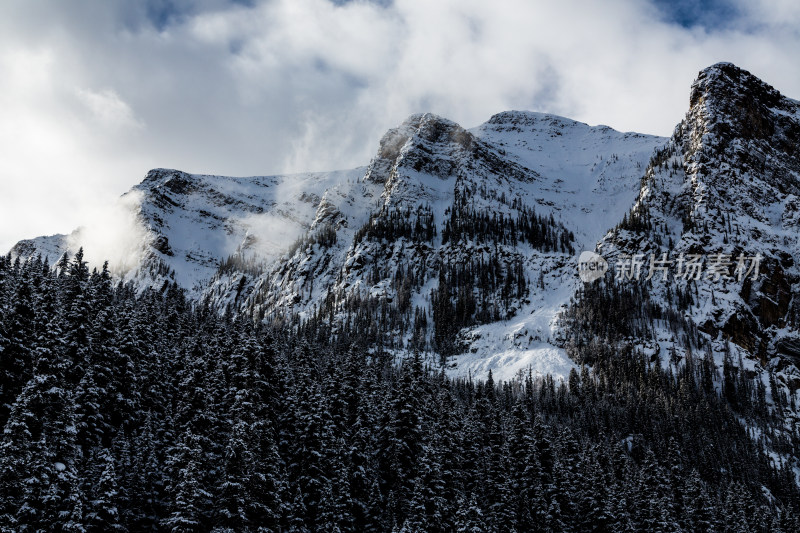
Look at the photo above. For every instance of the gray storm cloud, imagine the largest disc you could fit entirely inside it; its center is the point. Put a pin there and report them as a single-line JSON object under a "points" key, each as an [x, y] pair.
{"points": [[95, 93]]}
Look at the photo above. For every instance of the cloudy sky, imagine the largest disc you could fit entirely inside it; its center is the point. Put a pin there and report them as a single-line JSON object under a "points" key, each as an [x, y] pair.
{"points": [[93, 93]]}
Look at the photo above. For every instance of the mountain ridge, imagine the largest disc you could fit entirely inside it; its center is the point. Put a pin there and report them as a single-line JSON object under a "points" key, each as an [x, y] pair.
{"points": [[341, 240]]}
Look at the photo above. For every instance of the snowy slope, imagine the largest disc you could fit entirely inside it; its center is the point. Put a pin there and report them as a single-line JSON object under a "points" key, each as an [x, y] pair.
{"points": [[273, 245], [192, 223], [587, 175], [199, 221]]}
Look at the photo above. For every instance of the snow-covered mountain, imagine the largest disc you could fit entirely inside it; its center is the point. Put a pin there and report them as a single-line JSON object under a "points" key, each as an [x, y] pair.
{"points": [[725, 189], [483, 250], [464, 243], [297, 244]]}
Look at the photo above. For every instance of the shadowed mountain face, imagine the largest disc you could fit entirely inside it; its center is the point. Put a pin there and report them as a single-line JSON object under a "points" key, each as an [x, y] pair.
{"points": [[725, 187]]}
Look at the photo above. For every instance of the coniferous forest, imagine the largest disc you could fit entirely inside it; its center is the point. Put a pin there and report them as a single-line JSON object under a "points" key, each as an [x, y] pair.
{"points": [[142, 411]]}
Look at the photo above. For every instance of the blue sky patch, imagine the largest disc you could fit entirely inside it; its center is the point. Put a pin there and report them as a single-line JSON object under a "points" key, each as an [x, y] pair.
{"points": [[708, 14]]}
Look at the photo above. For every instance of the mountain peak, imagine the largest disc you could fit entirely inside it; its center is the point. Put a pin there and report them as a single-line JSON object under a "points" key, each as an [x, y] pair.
{"points": [[176, 181], [417, 120], [426, 125], [730, 87], [431, 128], [731, 106], [420, 129], [527, 118], [159, 174], [728, 183]]}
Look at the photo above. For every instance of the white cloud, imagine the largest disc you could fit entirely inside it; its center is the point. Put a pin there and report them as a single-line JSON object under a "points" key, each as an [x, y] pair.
{"points": [[113, 233], [107, 107], [94, 94]]}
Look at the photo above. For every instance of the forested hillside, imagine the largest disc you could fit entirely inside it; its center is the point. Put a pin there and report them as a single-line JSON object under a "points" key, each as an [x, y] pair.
{"points": [[143, 412]]}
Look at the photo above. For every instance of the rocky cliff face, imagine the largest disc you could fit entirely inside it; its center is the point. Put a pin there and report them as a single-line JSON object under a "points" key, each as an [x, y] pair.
{"points": [[725, 189]]}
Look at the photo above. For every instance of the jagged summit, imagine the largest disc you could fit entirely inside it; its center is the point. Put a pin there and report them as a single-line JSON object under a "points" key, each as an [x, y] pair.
{"points": [[423, 126], [176, 181], [727, 82], [420, 121], [735, 104], [737, 121], [426, 130], [157, 175]]}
